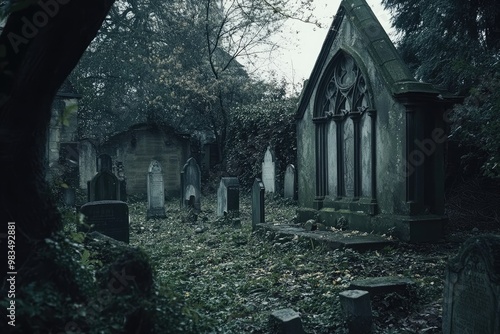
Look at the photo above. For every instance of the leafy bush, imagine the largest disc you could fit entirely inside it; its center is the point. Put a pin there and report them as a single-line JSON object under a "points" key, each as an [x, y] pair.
{"points": [[270, 121], [477, 124]]}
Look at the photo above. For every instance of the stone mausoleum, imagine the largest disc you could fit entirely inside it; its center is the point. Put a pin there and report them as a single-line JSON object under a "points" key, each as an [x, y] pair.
{"points": [[142, 143], [371, 137]]}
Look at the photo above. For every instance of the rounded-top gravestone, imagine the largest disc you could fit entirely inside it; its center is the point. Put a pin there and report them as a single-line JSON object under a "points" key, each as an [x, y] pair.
{"points": [[191, 185], [156, 191], [269, 171], [472, 288]]}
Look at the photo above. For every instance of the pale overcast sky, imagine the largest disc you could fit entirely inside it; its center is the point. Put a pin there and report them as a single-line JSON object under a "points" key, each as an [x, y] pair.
{"points": [[303, 42]]}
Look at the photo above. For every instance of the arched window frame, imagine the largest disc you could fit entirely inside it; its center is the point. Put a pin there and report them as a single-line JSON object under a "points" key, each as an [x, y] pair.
{"points": [[343, 95]]}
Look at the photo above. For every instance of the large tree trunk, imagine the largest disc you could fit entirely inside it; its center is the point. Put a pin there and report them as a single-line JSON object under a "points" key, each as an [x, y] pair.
{"points": [[39, 47]]}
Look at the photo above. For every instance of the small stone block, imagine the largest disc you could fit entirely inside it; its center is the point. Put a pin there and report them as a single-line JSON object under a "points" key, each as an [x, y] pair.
{"points": [[285, 321], [358, 311]]}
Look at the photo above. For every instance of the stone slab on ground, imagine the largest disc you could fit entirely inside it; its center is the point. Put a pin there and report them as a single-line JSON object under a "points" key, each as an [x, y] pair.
{"points": [[332, 239], [383, 285]]}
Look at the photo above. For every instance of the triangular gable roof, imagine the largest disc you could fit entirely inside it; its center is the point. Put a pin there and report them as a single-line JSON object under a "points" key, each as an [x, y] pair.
{"points": [[391, 67]]}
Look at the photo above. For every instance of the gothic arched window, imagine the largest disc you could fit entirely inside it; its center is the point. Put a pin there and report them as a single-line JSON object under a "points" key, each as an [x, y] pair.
{"points": [[343, 96]]}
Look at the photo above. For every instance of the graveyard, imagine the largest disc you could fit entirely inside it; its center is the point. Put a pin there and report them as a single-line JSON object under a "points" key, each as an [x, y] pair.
{"points": [[230, 278], [158, 183]]}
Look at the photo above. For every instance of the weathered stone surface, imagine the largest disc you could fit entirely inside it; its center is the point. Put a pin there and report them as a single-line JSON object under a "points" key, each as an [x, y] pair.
{"points": [[257, 203], [269, 171], [382, 285], [107, 217], [191, 185], [156, 191], [472, 288], [228, 196], [285, 321], [371, 156], [290, 182], [140, 144], [357, 310]]}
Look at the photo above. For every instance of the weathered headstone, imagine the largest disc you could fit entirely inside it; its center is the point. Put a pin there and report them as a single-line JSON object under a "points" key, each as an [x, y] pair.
{"points": [[156, 191], [104, 186], [191, 185], [285, 321], [290, 180], [258, 190], [228, 196], [472, 288], [104, 162], [269, 171], [357, 310], [107, 217], [87, 162]]}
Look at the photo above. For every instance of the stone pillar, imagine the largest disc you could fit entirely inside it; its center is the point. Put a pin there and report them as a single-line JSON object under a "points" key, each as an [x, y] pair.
{"points": [[357, 310]]}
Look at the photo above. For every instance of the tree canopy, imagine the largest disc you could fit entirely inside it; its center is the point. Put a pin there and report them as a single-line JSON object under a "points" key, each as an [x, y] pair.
{"points": [[176, 63], [456, 45]]}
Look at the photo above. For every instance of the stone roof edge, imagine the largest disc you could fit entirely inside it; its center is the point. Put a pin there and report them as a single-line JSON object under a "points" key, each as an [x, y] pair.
{"points": [[394, 71]]}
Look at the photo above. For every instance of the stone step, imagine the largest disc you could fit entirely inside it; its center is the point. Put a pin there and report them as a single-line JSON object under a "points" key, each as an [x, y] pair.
{"points": [[332, 239]]}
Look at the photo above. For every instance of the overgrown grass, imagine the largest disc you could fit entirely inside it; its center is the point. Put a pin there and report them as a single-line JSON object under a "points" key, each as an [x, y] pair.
{"points": [[233, 278]]}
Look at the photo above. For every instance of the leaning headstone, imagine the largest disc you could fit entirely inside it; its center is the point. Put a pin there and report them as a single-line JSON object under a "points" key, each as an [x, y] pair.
{"points": [[107, 217], [357, 310], [269, 171], [191, 185], [104, 162], [290, 180], [472, 288], [228, 196], [257, 203], [156, 191], [285, 321], [104, 186]]}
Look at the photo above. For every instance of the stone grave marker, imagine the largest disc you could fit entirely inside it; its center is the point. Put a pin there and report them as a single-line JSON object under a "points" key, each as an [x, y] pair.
{"points": [[156, 191], [357, 310], [228, 196], [107, 217], [472, 288], [104, 186], [290, 181], [191, 185], [258, 190], [104, 162], [269, 171], [285, 321]]}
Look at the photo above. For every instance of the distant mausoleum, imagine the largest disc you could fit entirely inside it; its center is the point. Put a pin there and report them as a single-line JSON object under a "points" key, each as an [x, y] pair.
{"points": [[371, 137], [133, 150]]}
